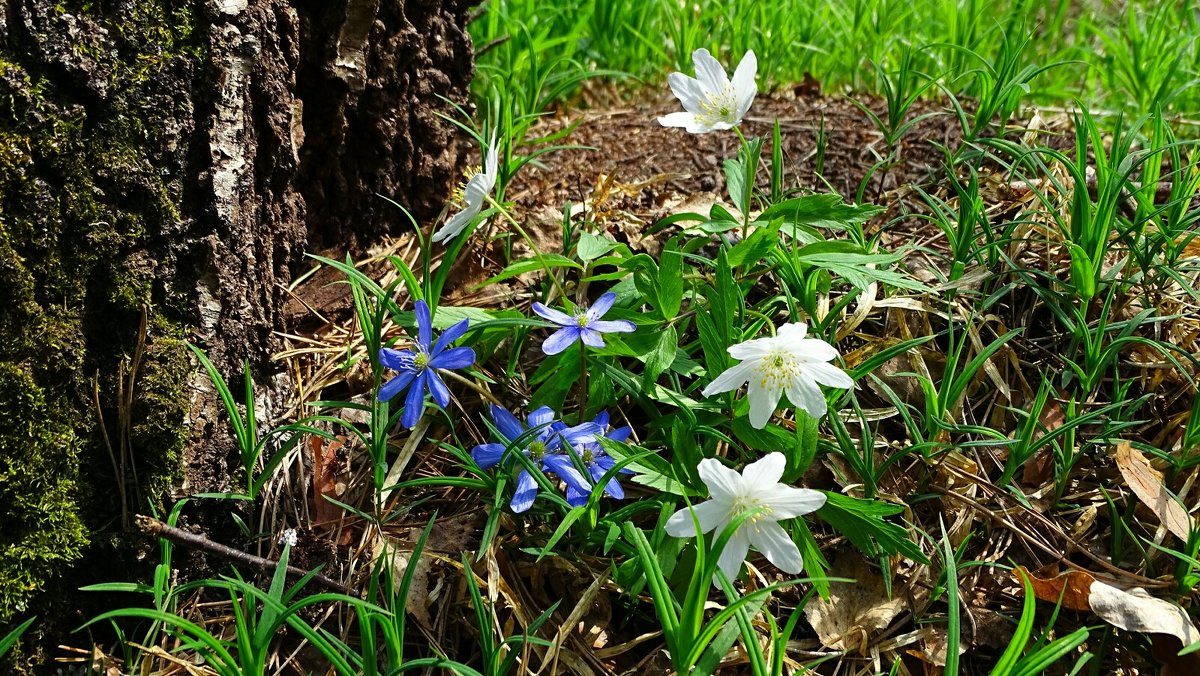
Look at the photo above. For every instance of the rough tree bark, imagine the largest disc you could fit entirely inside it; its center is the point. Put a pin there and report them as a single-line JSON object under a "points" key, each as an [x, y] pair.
{"points": [[164, 164]]}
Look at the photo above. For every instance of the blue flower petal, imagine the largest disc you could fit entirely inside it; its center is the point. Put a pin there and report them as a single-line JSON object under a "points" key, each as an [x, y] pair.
{"points": [[487, 455], [602, 421], [396, 360], [561, 340], [614, 326], [557, 316], [424, 325], [454, 358], [602, 305], [541, 418], [527, 490], [508, 425], [396, 385], [449, 336], [565, 469], [414, 403], [620, 434], [437, 387], [591, 338]]}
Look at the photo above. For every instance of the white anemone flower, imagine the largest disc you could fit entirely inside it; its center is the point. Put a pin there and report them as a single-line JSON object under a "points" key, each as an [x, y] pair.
{"points": [[731, 494], [711, 100], [787, 362], [477, 188]]}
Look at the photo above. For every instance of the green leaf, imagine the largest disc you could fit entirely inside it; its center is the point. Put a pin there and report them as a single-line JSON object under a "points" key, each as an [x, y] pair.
{"points": [[769, 438], [661, 356], [524, 265], [755, 247], [823, 211], [860, 269], [862, 522], [670, 281], [591, 247]]}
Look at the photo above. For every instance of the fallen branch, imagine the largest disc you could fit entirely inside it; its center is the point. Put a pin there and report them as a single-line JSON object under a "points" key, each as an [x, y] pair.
{"points": [[157, 528]]}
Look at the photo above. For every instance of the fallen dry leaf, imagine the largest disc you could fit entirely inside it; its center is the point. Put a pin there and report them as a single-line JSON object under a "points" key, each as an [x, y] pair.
{"points": [[854, 610], [1135, 610], [1073, 587], [1147, 484]]}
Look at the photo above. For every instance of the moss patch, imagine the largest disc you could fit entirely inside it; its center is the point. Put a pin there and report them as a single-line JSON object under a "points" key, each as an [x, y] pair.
{"points": [[94, 115]]}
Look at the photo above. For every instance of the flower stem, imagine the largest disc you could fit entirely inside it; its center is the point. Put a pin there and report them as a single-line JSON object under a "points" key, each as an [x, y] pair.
{"points": [[751, 172], [583, 381]]}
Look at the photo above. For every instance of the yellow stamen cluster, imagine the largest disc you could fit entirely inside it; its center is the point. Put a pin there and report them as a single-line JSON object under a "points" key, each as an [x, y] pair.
{"points": [[460, 190], [777, 369], [720, 107]]}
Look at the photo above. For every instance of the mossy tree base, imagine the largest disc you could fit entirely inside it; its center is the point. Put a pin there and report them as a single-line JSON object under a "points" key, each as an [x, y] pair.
{"points": [[163, 166]]}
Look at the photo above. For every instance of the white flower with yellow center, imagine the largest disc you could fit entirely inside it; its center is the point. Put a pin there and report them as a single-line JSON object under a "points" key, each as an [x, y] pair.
{"points": [[472, 195], [787, 362], [711, 100], [732, 494]]}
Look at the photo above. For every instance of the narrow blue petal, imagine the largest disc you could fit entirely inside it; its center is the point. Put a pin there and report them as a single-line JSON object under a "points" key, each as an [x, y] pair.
{"points": [[449, 336], [580, 434], [576, 498], [620, 434], [396, 385], [454, 358], [542, 417], [614, 326], [591, 338], [414, 403], [396, 360], [614, 489], [437, 387], [487, 455], [527, 490], [557, 316], [565, 469], [561, 340], [602, 305], [507, 423], [424, 325], [602, 421]]}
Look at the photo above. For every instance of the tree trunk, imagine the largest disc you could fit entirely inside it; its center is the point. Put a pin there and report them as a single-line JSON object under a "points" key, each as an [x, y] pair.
{"points": [[164, 164]]}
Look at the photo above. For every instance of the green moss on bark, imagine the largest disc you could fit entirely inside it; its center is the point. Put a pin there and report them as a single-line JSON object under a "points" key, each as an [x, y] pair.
{"points": [[40, 526], [90, 194]]}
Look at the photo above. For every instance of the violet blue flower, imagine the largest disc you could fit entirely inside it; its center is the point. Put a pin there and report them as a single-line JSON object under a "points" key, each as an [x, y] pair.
{"points": [[418, 367], [586, 325], [544, 438], [594, 460]]}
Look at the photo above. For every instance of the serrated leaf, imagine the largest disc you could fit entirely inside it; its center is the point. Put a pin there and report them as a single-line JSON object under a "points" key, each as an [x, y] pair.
{"points": [[662, 355], [670, 281], [823, 210]]}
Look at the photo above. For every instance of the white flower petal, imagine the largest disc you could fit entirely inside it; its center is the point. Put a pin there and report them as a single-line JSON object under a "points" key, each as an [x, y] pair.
{"points": [[709, 71], [678, 120], [797, 330], [764, 472], [724, 484], [456, 224], [731, 379], [712, 515], [744, 86], [814, 349], [688, 90], [804, 394], [763, 401], [828, 374], [491, 163], [734, 554], [787, 502], [772, 540], [756, 347]]}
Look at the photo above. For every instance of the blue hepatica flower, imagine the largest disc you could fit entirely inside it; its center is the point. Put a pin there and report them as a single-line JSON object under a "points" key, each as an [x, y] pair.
{"points": [[418, 367], [594, 460], [586, 325], [543, 438]]}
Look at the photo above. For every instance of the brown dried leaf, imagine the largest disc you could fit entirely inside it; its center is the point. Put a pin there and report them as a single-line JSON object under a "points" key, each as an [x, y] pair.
{"points": [[1146, 483], [855, 610], [1073, 587], [1136, 610]]}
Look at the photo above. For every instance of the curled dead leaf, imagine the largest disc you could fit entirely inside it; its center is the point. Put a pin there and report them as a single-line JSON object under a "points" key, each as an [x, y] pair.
{"points": [[854, 610], [1147, 485]]}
